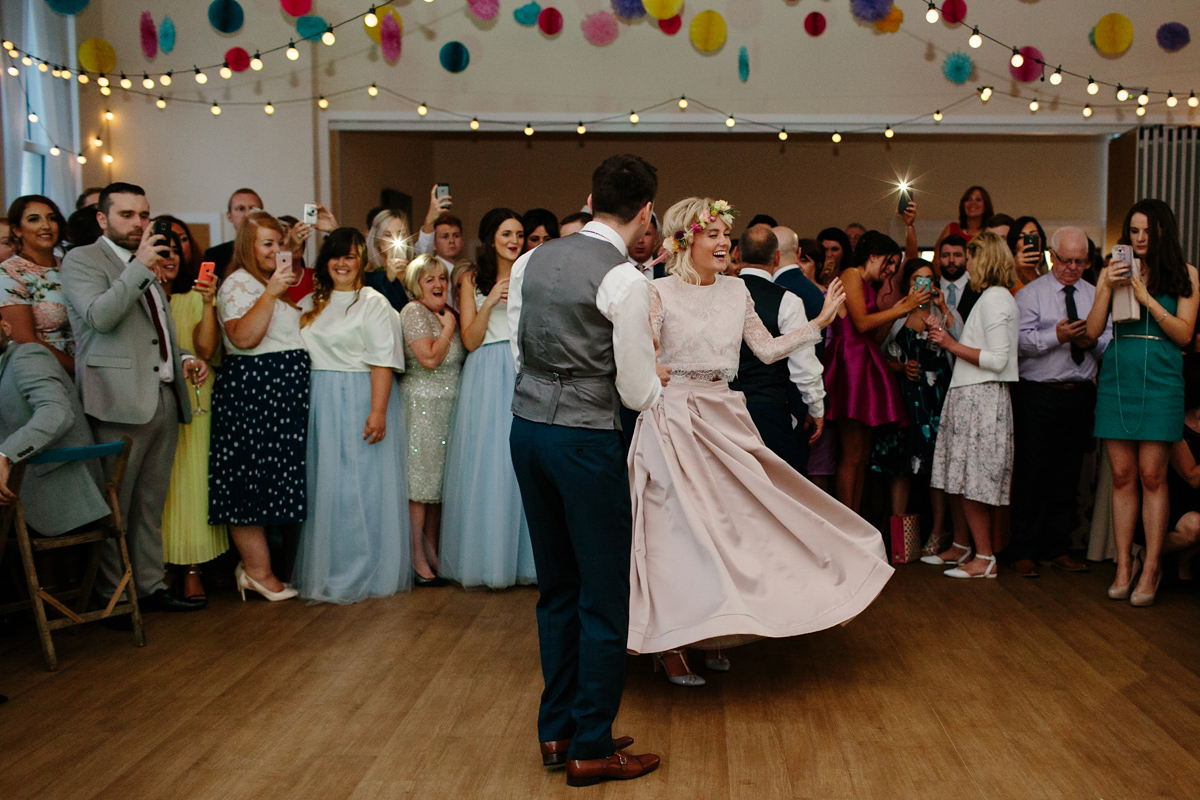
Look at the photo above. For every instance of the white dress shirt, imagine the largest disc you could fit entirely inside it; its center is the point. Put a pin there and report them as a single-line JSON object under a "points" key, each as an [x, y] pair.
{"points": [[1042, 304], [960, 285], [424, 246], [624, 299], [803, 365], [166, 368]]}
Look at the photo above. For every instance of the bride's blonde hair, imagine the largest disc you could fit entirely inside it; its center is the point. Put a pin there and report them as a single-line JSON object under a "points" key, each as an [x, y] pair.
{"points": [[679, 219]]}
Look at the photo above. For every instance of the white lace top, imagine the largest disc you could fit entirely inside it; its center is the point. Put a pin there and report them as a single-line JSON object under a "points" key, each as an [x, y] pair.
{"points": [[237, 295], [700, 329]]}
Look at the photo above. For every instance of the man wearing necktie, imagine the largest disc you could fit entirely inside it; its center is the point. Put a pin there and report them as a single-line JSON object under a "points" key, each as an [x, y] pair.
{"points": [[955, 283], [132, 377], [1053, 406]]}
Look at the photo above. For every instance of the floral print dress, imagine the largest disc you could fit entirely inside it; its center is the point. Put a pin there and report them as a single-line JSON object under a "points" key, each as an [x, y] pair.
{"points": [[25, 283], [909, 450]]}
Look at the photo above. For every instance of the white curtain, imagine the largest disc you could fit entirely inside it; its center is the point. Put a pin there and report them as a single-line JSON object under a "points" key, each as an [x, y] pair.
{"points": [[1168, 169], [28, 165]]}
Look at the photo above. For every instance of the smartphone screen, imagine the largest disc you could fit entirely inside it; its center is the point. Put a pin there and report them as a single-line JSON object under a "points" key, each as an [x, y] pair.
{"points": [[443, 190]]}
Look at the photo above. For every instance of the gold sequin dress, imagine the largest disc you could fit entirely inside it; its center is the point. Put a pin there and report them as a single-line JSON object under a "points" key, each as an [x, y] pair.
{"points": [[429, 396]]}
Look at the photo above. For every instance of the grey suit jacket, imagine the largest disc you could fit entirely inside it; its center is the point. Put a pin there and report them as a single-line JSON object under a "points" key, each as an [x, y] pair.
{"points": [[40, 410], [116, 344]]}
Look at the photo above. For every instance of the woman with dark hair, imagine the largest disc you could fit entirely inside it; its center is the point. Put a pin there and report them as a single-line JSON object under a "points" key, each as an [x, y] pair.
{"points": [[838, 254], [256, 471], [1027, 242], [540, 227], [355, 541], [485, 539], [31, 297], [1139, 403], [974, 208], [810, 258], [862, 392], [188, 540]]}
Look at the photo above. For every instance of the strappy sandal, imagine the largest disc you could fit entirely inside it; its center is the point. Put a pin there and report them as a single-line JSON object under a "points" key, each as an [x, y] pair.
{"points": [[938, 561]]}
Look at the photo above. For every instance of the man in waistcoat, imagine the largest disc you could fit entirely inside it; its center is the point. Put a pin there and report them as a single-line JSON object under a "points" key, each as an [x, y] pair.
{"points": [[579, 312], [768, 387]]}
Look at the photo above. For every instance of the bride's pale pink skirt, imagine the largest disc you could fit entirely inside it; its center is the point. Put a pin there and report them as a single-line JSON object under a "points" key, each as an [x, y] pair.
{"points": [[729, 543]]}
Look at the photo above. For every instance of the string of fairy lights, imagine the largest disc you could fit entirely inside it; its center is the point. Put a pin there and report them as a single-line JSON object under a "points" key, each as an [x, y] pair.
{"points": [[152, 81]]}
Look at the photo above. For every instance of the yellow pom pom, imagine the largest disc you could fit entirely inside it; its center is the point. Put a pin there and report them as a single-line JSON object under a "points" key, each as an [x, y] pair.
{"points": [[1113, 34], [662, 9], [891, 23], [380, 13], [707, 31], [97, 55]]}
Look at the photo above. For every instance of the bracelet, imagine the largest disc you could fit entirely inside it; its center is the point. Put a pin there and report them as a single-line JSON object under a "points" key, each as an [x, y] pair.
{"points": [[1165, 314]]}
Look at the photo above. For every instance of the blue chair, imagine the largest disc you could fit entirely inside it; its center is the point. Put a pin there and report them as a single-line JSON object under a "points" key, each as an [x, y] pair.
{"points": [[110, 527]]}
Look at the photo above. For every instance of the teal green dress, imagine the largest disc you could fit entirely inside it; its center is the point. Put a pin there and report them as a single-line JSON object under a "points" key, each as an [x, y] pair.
{"points": [[1140, 390]]}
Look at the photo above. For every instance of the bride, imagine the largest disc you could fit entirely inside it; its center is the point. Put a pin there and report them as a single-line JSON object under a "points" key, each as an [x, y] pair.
{"points": [[729, 543]]}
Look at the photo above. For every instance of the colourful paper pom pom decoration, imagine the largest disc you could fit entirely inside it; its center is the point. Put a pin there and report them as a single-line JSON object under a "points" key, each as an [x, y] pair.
{"points": [[600, 28], [454, 56], [527, 14], [663, 9], [870, 10], [166, 35], [237, 59], [1173, 36], [311, 28], [149, 35], [743, 64], [707, 31], [226, 15], [1031, 68], [296, 8], [892, 22], [1113, 34], [671, 26], [954, 11], [390, 32], [484, 9], [958, 68], [97, 55], [550, 21], [67, 6], [628, 10], [814, 24], [375, 31]]}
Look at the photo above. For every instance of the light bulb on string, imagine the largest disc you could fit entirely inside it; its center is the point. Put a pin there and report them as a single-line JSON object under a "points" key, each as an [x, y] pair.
{"points": [[1092, 87], [1172, 100], [837, 137], [1087, 110], [6, 44], [55, 72], [225, 71], [165, 79], [422, 109], [13, 71], [256, 62], [81, 158], [1122, 93], [528, 129], [327, 37], [888, 132], [161, 102], [33, 117], [683, 103], [1017, 59], [581, 129], [147, 81], [97, 141], [932, 15], [109, 116], [43, 67], [985, 93], [107, 159], [730, 121], [83, 77], [937, 116], [1143, 98], [27, 61], [373, 90], [125, 82], [102, 79], [54, 151], [322, 102], [216, 110], [1141, 111], [474, 123], [783, 134], [104, 90], [65, 74], [1056, 76], [633, 118], [201, 78], [269, 108], [292, 52], [1034, 105], [371, 19], [1193, 101], [976, 41]]}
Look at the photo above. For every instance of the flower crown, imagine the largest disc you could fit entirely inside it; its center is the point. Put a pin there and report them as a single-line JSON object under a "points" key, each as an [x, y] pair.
{"points": [[682, 239]]}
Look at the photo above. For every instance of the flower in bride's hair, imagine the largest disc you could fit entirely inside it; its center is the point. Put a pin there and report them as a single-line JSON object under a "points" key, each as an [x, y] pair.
{"points": [[698, 227]]}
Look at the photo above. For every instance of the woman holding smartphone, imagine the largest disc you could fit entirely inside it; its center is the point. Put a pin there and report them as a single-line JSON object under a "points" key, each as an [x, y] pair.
{"points": [[260, 405], [485, 539], [187, 540], [1139, 402], [1027, 241]]}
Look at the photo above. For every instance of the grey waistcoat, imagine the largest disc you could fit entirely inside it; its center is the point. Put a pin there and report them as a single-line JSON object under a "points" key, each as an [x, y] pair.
{"points": [[568, 372]]}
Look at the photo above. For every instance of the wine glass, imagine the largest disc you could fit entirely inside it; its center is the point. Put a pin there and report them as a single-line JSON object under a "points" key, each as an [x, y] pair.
{"points": [[199, 409]]}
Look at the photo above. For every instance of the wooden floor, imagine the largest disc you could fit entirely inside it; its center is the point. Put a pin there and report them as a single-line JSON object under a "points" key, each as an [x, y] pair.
{"points": [[942, 689]]}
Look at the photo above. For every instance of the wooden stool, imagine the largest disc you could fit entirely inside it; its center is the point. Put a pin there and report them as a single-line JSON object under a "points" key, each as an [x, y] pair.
{"points": [[110, 527]]}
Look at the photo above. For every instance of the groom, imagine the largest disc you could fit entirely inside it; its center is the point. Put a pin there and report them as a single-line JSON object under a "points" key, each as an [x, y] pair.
{"points": [[580, 314]]}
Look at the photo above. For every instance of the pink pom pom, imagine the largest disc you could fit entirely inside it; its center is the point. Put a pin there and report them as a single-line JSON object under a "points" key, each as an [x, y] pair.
{"points": [[296, 8], [389, 38], [550, 21], [149, 36], [238, 59], [484, 9], [671, 26], [954, 11], [600, 28], [1031, 70], [814, 23]]}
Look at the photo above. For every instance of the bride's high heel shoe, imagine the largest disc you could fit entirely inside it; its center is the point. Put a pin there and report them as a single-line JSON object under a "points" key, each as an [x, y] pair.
{"points": [[714, 660], [674, 663], [245, 582], [938, 561]]}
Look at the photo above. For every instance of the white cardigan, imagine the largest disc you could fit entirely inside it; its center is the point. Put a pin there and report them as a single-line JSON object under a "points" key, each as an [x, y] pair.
{"points": [[992, 328]]}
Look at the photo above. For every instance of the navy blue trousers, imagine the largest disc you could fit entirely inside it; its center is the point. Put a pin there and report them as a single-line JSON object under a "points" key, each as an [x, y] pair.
{"points": [[774, 425], [575, 489]]}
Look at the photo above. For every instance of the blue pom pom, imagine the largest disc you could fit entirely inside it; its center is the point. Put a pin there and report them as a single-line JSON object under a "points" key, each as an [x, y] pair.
{"points": [[454, 56], [628, 10], [166, 35], [744, 64], [958, 68], [527, 14], [67, 6], [870, 10], [226, 15], [1173, 37], [311, 27]]}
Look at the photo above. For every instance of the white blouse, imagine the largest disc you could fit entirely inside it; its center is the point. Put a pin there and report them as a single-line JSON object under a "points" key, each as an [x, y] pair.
{"points": [[497, 327], [237, 295], [353, 335]]}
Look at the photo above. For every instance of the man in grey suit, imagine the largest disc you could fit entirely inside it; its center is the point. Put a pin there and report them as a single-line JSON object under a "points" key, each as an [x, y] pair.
{"points": [[132, 375], [39, 409]]}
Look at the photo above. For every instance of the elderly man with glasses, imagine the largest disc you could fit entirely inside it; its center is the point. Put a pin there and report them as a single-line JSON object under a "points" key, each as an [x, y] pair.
{"points": [[1053, 406]]}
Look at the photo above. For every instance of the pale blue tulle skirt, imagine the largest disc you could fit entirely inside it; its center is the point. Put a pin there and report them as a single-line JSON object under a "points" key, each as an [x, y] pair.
{"points": [[485, 541], [355, 542]]}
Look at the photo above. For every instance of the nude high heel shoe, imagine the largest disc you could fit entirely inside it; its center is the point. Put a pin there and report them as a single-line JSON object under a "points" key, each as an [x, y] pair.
{"points": [[245, 582]]}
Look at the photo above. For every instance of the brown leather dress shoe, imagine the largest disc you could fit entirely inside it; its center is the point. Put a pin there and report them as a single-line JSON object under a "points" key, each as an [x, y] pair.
{"points": [[620, 766], [554, 754], [1068, 564], [1026, 568]]}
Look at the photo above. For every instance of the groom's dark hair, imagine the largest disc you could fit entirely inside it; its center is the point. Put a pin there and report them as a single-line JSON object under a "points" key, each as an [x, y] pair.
{"points": [[622, 185]]}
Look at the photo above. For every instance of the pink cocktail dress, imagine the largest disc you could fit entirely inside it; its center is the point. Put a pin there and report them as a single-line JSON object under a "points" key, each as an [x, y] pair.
{"points": [[858, 383]]}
